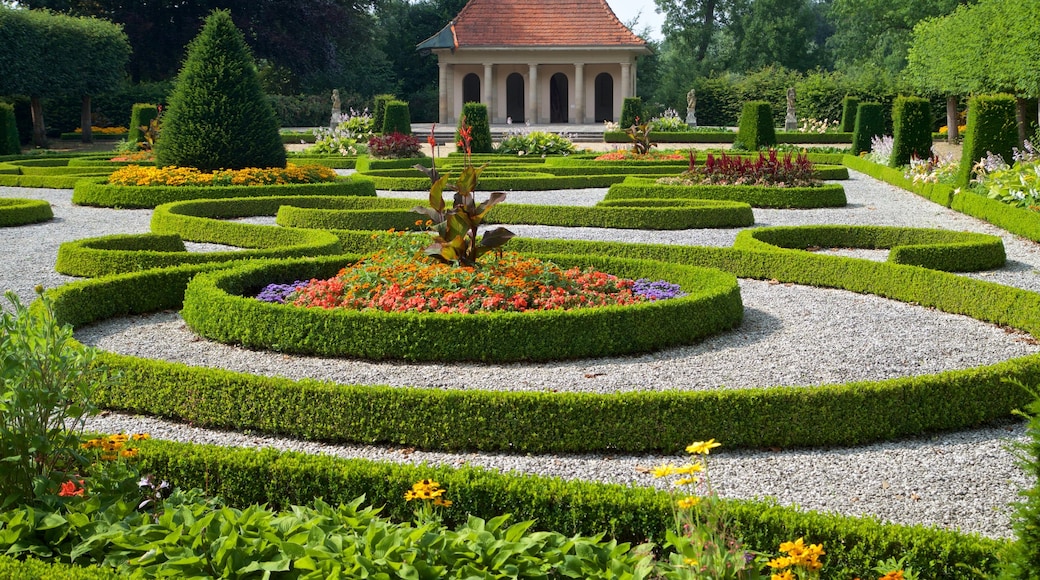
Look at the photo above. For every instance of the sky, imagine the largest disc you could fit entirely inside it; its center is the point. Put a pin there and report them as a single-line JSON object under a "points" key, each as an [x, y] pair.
{"points": [[626, 10]]}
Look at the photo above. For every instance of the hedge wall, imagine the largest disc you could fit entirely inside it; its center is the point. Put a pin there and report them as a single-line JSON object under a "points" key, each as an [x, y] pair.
{"points": [[97, 192], [827, 195], [18, 212]]}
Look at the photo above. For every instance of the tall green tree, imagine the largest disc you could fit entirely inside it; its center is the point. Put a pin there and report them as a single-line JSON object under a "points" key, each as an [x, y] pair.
{"points": [[47, 54], [218, 116], [776, 32]]}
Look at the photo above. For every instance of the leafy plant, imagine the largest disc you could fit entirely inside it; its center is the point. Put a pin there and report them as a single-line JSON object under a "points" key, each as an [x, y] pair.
{"points": [[349, 137], [771, 169], [394, 146], [639, 134], [523, 142], [669, 122], [455, 229], [47, 383]]}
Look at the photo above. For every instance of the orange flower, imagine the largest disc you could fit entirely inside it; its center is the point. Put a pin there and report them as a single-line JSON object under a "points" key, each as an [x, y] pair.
{"points": [[69, 489]]}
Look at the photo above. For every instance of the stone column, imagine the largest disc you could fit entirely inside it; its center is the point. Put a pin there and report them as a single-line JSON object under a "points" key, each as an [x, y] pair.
{"points": [[626, 80], [442, 93], [452, 113], [579, 93], [532, 93], [489, 91]]}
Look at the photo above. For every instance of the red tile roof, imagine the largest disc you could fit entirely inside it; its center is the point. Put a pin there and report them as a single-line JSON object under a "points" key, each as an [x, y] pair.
{"points": [[541, 23]]}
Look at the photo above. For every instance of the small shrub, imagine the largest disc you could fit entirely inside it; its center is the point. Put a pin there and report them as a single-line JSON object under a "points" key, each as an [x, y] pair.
{"points": [[350, 136], [991, 129], [396, 118], [475, 115], [379, 109], [141, 116], [1017, 185], [912, 130], [394, 145], [670, 122], [1023, 558], [771, 170], [524, 142], [631, 112], [848, 113], [881, 149], [639, 134], [756, 127], [9, 143], [870, 123]]}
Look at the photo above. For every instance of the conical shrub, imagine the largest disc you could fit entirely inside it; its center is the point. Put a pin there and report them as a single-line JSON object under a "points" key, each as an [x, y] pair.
{"points": [[218, 116]]}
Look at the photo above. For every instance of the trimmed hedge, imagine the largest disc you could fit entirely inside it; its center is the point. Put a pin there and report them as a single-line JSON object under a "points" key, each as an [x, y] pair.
{"points": [[18, 212], [827, 195], [631, 113], [476, 116], [935, 249], [848, 113], [141, 114], [333, 161], [991, 129], [854, 545], [516, 183], [379, 109], [216, 306], [33, 569], [870, 123], [912, 130], [9, 141], [97, 192], [396, 118], [756, 126], [364, 163], [730, 137], [49, 181]]}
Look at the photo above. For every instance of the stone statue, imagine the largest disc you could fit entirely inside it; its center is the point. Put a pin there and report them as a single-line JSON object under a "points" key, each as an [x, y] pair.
{"points": [[336, 109], [791, 121], [691, 108]]}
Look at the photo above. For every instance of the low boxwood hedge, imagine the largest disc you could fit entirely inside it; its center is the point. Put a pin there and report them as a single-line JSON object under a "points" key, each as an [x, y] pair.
{"points": [[17, 212], [826, 195], [519, 182], [50, 181], [928, 248], [217, 305], [97, 192], [367, 163], [628, 513], [728, 137], [333, 161]]}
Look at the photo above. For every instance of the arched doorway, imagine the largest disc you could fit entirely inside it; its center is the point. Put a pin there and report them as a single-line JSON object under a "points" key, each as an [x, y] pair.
{"points": [[558, 104], [515, 97], [471, 88], [604, 97]]}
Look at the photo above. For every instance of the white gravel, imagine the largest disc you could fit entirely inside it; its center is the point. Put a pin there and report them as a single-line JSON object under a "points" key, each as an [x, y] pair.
{"points": [[792, 335]]}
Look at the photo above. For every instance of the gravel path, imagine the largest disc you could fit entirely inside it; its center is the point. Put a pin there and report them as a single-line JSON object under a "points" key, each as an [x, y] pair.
{"points": [[792, 335]]}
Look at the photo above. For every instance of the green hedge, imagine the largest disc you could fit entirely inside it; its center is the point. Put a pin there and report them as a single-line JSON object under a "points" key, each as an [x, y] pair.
{"points": [[730, 137], [18, 212], [870, 122], [366, 163], [514, 183], [98, 136], [630, 514], [33, 569], [9, 141], [632, 112], [935, 249], [848, 113], [141, 114], [293, 138], [97, 192], [476, 116], [991, 129], [217, 306], [827, 195], [756, 126], [333, 161], [396, 118], [912, 130], [49, 181]]}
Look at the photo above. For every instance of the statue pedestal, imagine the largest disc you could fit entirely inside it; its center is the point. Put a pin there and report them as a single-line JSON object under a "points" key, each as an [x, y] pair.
{"points": [[791, 123], [691, 117]]}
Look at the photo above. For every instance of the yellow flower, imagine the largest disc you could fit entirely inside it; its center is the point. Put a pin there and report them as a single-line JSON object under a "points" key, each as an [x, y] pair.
{"points": [[785, 575], [780, 562], [664, 470], [793, 548], [140, 436], [442, 502], [702, 447], [688, 502], [686, 481], [691, 468], [893, 575], [690, 562]]}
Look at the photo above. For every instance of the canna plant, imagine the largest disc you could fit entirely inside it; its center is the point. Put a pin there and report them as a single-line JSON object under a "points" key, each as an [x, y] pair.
{"points": [[455, 229]]}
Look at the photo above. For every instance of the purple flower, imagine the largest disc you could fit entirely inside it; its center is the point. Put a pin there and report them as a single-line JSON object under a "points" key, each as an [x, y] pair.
{"points": [[656, 290], [277, 293]]}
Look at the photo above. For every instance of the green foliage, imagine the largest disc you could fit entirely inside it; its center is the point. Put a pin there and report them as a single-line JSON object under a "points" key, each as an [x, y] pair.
{"points": [[9, 142], [537, 143], [48, 381], [639, 135], [218, 117], [828, 195], [756, 128], [912, 130], [849, 106], [141, 117], [632, 112], [475, 115], [33, 569], [1023, 559], [869, 124], [379, 109], [396, 118], [16, 212], [991, 129]]}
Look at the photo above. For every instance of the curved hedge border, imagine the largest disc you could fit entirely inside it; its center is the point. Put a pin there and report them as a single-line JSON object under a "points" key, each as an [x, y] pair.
{"points": [[936, 249], [48, 172], [516, 183], [96, 192], [366, 163], [728, 137], [384, 213], [333, 161], [1023, 222], [18, 212], [216, 307], [826, 195]]}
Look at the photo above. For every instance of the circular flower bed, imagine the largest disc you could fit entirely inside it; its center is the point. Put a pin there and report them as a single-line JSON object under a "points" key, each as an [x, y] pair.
{"points": [[221, 306], [189, 176]]}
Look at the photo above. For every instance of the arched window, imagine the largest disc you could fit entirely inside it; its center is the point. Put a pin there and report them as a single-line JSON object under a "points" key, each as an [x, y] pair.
{"points": [[604, 97], [471, 88], [515, 97], [558, 102]]}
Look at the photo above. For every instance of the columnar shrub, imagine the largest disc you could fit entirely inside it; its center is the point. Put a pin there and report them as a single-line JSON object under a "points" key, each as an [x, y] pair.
{"points": [[912, 130], [756, 126], [218, 116], [9, 144], [991, 129], [475, 115], [631, 109], [396, 118], [379, 109], [870, 123], [141, 114], [848, 113]]}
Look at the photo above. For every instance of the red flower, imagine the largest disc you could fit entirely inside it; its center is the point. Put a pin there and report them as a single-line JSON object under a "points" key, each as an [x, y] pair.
{"points": [[431, 139], [465, 137], [69, 489]]}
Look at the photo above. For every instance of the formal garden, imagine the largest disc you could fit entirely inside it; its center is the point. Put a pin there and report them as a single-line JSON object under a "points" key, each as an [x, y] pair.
{"points": [[361, 247]]}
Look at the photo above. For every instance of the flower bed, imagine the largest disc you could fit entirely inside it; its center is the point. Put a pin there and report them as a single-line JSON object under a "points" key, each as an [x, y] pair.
{"points": [[148, 176]]}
